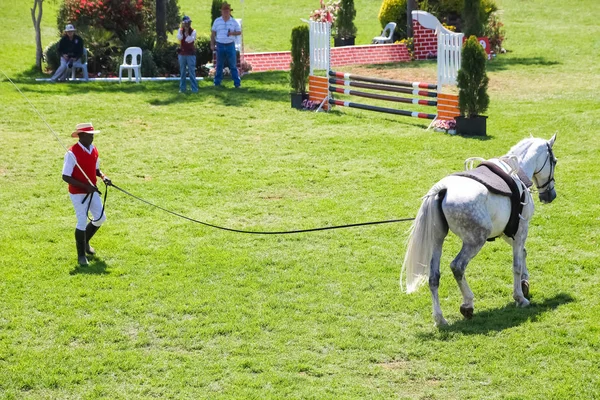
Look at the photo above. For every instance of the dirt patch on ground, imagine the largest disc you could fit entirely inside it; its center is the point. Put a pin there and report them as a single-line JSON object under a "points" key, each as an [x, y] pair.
{"points": [[400, 74]]}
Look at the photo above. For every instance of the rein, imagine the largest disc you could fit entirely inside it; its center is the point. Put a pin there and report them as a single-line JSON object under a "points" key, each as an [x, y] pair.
{"points": [[259, 232], [90, 195]]}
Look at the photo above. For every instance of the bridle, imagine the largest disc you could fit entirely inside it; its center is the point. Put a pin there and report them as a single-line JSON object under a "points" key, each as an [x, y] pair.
{"points": [[553, 162]]}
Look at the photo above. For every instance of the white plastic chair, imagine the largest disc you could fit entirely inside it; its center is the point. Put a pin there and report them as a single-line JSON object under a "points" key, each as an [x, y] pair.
{"points": [[134, 64], [238, 39], [389, 28], [82, 66]]}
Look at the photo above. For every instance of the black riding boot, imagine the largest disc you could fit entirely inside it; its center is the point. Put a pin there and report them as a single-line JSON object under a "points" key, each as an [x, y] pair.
{"points": [[90, 231], [80, 242]]}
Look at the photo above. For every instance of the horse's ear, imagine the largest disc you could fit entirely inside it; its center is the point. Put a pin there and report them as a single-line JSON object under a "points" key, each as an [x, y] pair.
{"points": [[552, 139]]}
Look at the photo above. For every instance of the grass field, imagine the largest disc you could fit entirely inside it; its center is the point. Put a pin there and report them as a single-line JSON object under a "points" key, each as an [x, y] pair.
{"points": [[172, 309]]}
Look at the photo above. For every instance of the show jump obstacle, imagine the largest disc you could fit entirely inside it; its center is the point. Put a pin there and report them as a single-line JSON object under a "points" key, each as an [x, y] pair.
{"points": [[322, 88]]}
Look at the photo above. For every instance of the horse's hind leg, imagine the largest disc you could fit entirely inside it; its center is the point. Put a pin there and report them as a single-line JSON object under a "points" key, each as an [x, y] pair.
{"points": [[458, 266], [434, 281]]}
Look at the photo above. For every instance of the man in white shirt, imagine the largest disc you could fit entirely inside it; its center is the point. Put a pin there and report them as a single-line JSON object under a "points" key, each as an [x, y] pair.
{"points": [[222, 38]]}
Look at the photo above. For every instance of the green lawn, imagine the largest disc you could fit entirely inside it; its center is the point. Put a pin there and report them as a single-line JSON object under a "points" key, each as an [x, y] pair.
{"points": [[172, 309]]}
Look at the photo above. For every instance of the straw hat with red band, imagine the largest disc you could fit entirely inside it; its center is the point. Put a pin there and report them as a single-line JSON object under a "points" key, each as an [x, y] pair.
{"points": [[85, 127]]}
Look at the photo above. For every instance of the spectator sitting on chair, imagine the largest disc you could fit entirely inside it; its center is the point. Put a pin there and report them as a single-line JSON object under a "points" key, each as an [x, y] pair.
{"points": [[223, 30], [187, 54], [70, 50]]}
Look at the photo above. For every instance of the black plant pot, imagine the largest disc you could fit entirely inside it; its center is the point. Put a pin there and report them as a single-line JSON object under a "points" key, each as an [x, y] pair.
{"points": [[475, 126], [297, 99], [340, 42]]}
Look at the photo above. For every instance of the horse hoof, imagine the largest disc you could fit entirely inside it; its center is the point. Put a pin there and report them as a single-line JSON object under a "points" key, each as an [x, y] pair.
{"points": [[523, 303], [467, 312], [440, 321], [525, 288]]}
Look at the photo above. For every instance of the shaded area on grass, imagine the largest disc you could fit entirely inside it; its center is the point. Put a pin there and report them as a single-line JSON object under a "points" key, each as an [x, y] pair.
{"points": [[500, 318], [502, 63], [264, 86], [95, 267]]}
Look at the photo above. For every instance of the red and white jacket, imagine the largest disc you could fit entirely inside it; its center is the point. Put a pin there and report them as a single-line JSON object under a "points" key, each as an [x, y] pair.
{"points": [[88, 162]]}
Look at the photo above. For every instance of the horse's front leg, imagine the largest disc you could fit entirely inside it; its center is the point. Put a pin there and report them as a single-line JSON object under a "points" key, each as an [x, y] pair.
{"points": [[525, 276], [520, 273]]}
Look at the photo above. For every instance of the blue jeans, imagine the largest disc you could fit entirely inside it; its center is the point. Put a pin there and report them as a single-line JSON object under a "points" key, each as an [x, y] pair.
{"points": [[188, 62], [227, 52]]}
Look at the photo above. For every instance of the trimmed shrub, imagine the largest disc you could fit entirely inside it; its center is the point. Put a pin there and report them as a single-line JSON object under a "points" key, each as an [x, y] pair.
{"points": [[215, 11], [149, 67], [300, 65], [472, 18], [51, 57], [394, 11], [165, 57], [472, 80], [344, 23], [203, 51]]}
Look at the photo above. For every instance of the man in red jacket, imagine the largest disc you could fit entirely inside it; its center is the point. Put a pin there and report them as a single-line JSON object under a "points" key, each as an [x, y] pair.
{"points": [[80, 169]]}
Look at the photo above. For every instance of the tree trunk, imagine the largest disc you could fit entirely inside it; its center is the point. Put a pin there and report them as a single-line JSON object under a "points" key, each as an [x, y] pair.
{"points": [[161, 20], [410, 6], [36, 17]]}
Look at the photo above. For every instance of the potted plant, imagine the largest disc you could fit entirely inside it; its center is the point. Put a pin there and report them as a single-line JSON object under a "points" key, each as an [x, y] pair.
{"points": [[300, 65], [472, 83], [344, 24]]}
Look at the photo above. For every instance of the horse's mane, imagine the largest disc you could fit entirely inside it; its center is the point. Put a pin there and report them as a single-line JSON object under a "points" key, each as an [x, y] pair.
{"points": [[521, 148]]}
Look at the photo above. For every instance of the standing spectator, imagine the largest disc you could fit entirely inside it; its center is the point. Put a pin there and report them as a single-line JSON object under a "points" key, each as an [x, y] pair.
{"points": [[80, 169], [187, 54], [70, 50], [223, 30]]}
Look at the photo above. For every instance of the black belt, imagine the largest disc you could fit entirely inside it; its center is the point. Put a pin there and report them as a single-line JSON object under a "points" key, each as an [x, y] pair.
{"points": [[226, 44]]}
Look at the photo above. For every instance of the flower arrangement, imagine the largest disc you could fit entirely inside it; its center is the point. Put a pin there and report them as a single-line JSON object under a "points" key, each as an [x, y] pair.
{"points": [[327, 13], [496, 33], [410, 46], [448, 126], [309, 105]]}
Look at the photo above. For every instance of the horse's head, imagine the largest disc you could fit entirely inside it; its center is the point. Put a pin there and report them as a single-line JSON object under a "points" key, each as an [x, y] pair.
{"points": [[543, 175]]}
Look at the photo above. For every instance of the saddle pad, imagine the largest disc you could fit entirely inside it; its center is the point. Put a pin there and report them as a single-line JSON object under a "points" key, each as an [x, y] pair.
{"points": [[488, 178], [499, 182]]}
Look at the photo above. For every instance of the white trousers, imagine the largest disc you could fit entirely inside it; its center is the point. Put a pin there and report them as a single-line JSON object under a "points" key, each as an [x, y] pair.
{"points": [[61, 71], [81, 209]]}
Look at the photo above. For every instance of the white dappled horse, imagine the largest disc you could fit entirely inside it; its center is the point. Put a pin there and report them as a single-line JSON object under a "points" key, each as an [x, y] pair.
{"points": [[475, 214]]}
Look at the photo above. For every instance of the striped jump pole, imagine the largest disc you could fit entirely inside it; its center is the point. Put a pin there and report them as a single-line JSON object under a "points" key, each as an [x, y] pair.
{"points": [[391, 82], [382, 96], [381, 109], [386, 85], [414, 92]]}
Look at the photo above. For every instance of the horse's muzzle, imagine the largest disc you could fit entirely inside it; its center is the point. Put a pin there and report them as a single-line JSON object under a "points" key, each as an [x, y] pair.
{"points": [[548, 196]]}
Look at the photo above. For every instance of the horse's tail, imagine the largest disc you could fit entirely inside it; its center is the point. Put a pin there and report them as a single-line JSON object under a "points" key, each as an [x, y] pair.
{"points": [[421, 239]]}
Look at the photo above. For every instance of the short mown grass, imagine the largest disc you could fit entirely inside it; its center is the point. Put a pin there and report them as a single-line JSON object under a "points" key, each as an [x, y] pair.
{"points": [[172, 309]]}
